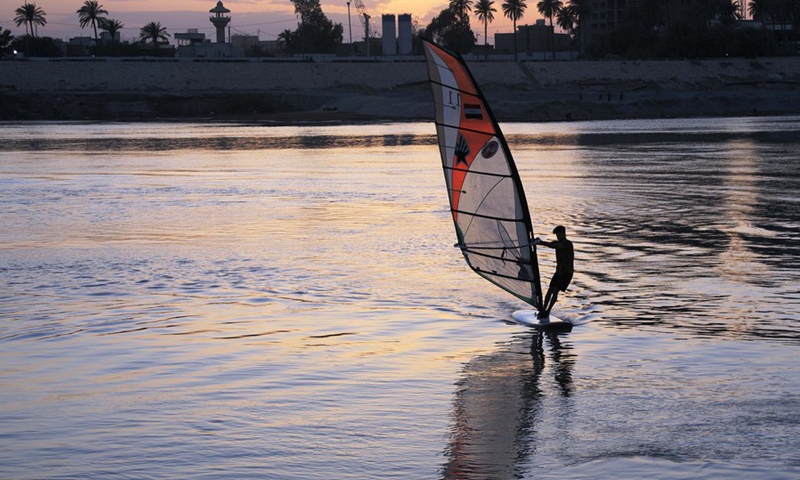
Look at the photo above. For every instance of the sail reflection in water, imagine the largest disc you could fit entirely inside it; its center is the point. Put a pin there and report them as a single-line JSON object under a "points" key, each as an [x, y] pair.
{"points": [[499, 408]]}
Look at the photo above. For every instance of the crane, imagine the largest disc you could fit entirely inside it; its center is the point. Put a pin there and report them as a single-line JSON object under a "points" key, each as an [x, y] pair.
{"points": [[369, 32]]}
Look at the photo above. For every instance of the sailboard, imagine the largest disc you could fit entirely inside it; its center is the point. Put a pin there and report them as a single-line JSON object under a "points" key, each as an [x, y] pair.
{"points": [[530, 318], [487, 200]]}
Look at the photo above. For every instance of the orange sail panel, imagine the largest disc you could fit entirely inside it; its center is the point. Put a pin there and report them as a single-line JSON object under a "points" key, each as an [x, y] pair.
{"points": [[487, 201]]}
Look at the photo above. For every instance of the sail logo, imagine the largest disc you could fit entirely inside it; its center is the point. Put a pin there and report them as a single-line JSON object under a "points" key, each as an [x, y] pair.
{"points": [[490, 149], [473, 111], [462, 150]]}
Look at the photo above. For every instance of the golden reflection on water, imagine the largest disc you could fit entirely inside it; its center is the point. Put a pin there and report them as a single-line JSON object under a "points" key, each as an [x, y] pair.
{"points": [[739, 262], [289, 299]]}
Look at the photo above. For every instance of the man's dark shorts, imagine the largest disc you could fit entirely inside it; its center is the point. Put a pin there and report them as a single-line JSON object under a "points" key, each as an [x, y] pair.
{"points": [[561, 280]]}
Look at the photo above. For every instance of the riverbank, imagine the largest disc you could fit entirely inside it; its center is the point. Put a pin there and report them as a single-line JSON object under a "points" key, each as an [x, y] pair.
{"points": [[341, 91]]}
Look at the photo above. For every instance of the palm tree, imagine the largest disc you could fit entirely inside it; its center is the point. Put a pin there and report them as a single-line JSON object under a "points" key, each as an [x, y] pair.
{"points": [[111, 26], [567, 18], [286, 40], [154, 32], [461, 7], [5, 39], [30, 15], [578, 11], [91, 13], [550, 8], [484, 9], [756, 10], [514, 9], [728, 11]]}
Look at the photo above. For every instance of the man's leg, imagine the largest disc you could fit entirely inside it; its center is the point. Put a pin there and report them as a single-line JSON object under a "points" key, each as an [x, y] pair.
{"points": [[543, 308], [553, 297], [545, 311]]}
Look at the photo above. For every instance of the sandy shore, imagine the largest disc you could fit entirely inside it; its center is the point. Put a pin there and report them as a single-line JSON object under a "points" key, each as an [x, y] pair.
{"points": [[286, 92]]}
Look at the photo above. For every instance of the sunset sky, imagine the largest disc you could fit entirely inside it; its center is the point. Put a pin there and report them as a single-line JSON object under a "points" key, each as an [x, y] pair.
{"points": [[267, 18]]}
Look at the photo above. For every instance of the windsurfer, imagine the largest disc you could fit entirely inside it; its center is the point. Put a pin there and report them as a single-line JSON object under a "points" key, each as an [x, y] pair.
{"points": [[565, 256]]}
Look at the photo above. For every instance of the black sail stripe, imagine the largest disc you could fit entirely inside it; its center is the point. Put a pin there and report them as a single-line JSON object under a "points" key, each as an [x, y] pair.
{"points": [[474, 172], [489, 217], [495, 257], [473, 130]]}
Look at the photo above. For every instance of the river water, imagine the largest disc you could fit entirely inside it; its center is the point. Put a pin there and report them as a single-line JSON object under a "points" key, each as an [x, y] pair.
{"points": [[285, 302]]}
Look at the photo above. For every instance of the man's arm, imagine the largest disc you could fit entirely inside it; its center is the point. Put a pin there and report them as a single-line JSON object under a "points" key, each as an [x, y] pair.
{"points": [[539, 241]]}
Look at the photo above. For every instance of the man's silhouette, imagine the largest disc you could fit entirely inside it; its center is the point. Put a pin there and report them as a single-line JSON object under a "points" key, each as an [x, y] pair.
{"points": [[565, 256]]}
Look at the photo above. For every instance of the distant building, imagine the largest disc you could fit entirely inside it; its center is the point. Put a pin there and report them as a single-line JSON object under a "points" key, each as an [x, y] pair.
{"points": [[397, 33], [106, 37], [193, 44], [190, 37], [210, 50], [405, 30], [532, 39], [79, 46], [389, 35], [606, 15], [270, 46], [482, 50], [360, 48], [244, 41], [220, 20]]}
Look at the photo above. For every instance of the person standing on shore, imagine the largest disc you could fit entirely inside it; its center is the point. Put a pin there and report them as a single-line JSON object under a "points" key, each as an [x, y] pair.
{"points": [[565, 259]]}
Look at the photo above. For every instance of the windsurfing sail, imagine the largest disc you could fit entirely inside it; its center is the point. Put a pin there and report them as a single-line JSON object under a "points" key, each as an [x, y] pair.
{"points": [[490, 212]]}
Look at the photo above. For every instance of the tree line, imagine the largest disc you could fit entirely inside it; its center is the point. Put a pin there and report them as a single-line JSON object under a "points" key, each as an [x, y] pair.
{"points": [[646, 29], [314, 34], [91, 14], [452, 26]]}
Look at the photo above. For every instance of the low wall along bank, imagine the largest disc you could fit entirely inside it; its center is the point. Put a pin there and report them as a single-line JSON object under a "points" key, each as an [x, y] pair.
{"points": [[398, 90]]}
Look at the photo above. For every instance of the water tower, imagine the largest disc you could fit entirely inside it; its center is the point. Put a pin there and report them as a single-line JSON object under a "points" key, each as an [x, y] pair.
{"points": [[389, 38], [220, 21], [405, 31]]}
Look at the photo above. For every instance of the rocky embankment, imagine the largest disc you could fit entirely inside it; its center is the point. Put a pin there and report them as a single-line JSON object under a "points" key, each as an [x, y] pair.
{"points": [[289, 91]]}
